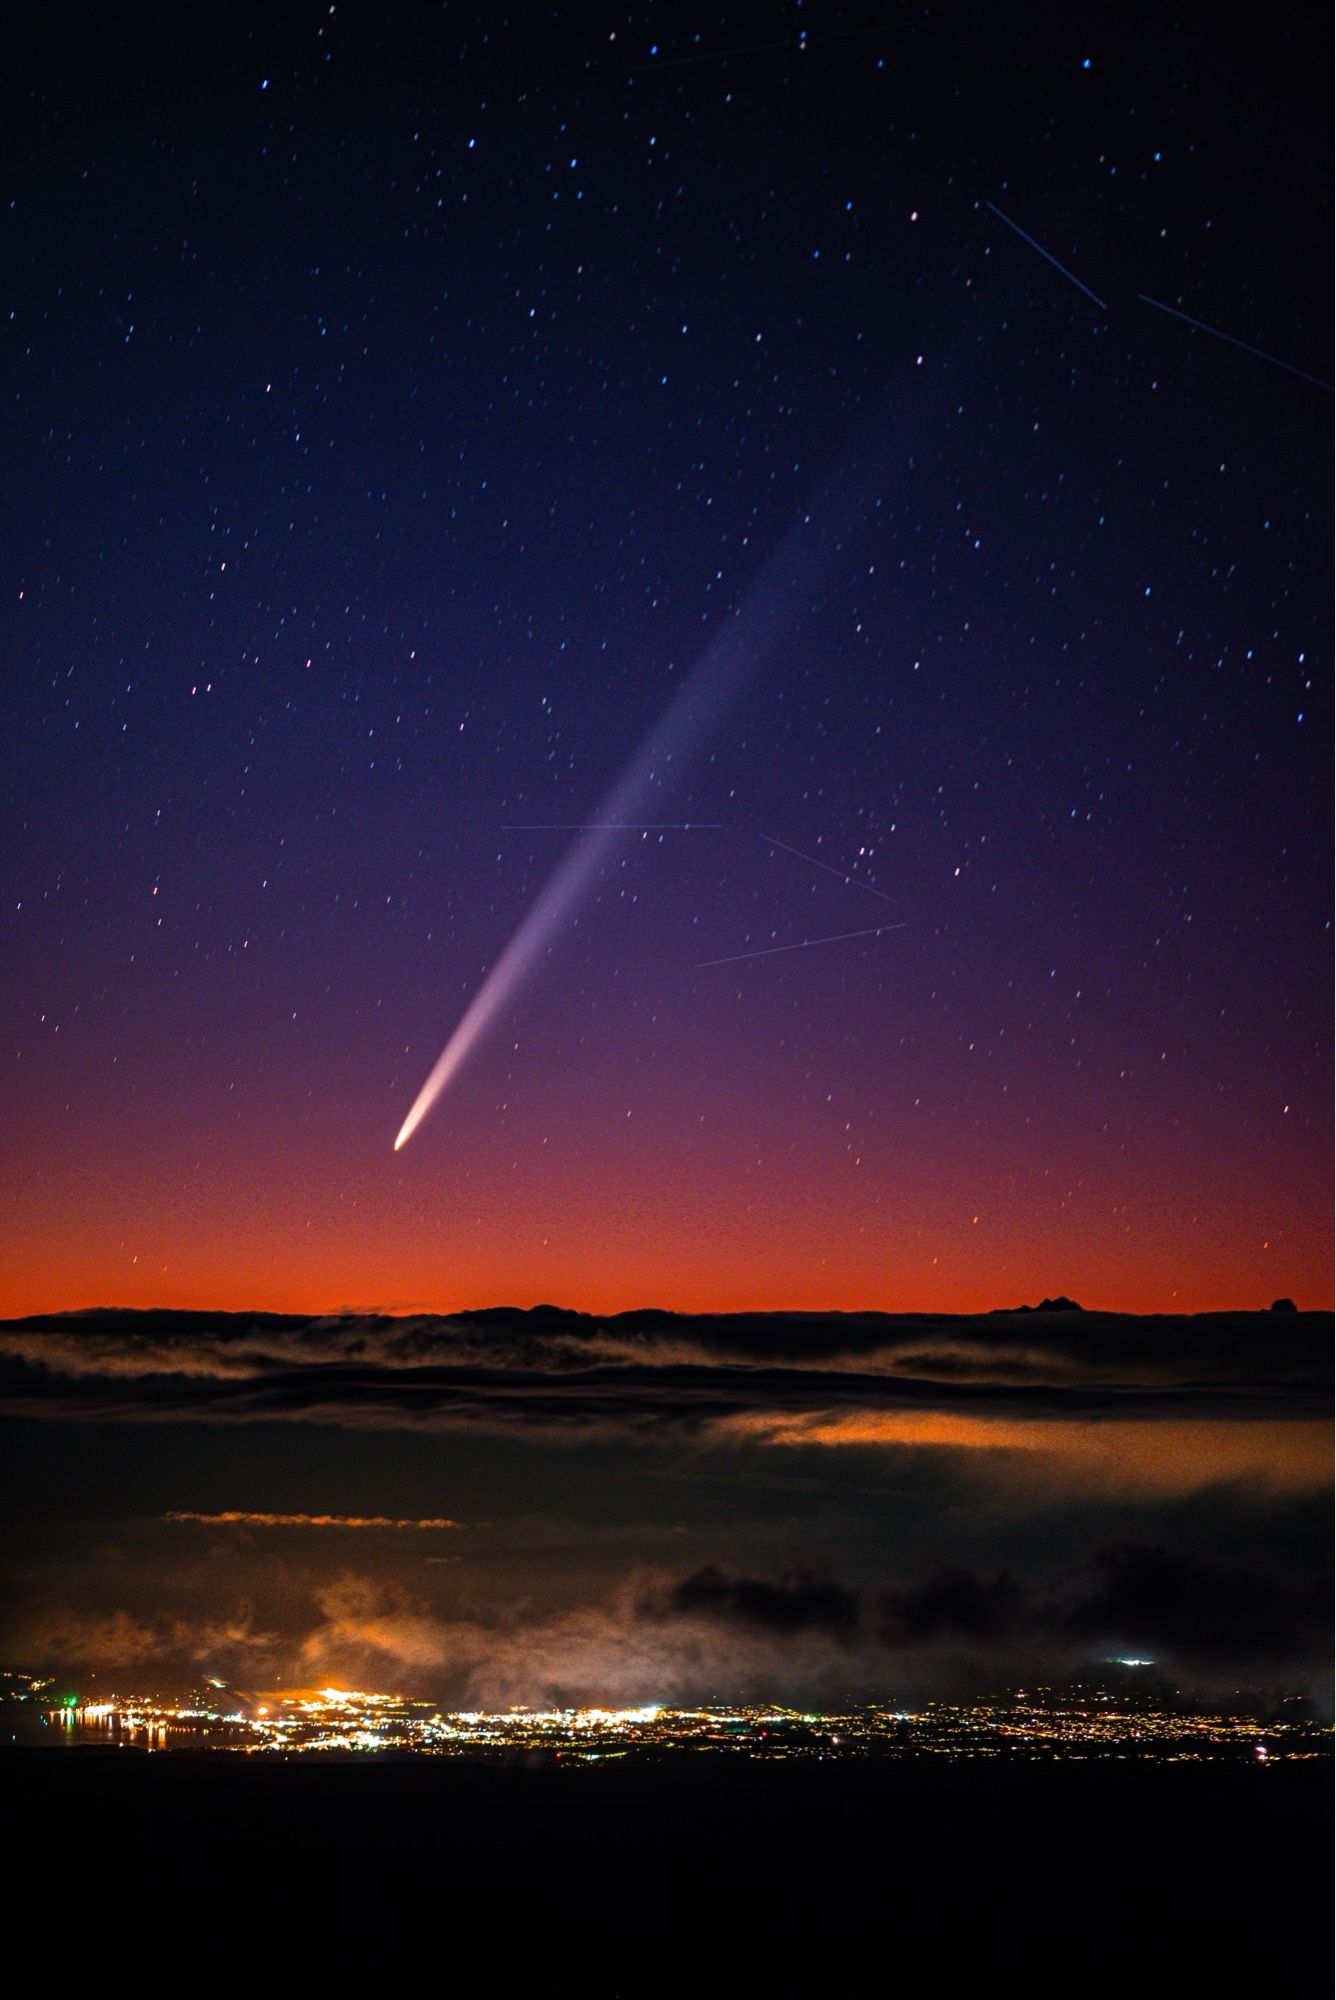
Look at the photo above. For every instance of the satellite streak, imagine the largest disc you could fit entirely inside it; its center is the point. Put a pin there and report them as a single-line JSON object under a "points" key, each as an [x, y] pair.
{"points": [[1233, 341], [803, 944], [854, 880], [758, 624], [1070, 276]]}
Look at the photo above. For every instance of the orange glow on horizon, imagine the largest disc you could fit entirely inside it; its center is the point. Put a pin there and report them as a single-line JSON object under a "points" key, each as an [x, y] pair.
{"points": [[1148, 1456], [731, 1217], [390, 1274]]}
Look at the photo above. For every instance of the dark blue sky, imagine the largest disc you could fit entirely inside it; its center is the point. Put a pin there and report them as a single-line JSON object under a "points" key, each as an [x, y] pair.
{"points": [[399, 409]]}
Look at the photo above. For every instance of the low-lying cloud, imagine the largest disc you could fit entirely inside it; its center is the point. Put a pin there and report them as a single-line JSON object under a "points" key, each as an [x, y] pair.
{"points": [[1130, 1598], [715, 1634], [239, 1517], [999, 1379]]}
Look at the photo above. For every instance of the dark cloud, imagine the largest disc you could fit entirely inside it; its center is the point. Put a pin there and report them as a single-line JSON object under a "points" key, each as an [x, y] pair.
{"points": [[952, 1604], [650, 1371], [795, 1604], [948, 1604], [1197, 1609], [1091, 1345], [679, 1395], [1169, 1605]]}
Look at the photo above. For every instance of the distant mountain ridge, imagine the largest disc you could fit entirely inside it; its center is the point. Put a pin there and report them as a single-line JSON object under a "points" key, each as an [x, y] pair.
{"points": [[1061, 1304]]}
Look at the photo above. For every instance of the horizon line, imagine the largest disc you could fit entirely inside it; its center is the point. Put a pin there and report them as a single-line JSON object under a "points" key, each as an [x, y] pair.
{"points": [[1281, 1306]]}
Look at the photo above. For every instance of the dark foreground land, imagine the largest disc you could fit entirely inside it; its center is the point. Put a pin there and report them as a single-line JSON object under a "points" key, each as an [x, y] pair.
{"points": [[719, 1877]]}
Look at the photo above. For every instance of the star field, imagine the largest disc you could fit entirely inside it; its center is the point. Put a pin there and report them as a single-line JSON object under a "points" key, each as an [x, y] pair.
{"points": [[397, 413]]}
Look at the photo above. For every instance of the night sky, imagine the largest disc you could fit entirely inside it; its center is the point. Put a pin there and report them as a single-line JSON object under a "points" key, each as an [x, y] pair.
{"points": [[431, 434]]}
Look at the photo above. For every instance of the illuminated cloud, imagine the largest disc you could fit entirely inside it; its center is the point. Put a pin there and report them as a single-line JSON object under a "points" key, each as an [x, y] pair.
{"points": [[1162, 1404], [668, 1637], [245, 1518], [1130, 1453], [118, 1638]]}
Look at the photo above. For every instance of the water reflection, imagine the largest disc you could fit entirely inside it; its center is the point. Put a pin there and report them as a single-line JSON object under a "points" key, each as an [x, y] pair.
{"points": [[103, 1723]]}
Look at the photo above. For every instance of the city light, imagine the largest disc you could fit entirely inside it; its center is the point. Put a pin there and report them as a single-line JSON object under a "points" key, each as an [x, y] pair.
{"points": [[1038, 1723]]}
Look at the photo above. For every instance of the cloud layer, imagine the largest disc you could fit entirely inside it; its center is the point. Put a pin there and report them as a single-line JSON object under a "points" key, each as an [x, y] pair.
{"points": [[715, 1633], [645, 1373], [1198, 1612], [815, 1504], [237, 1517]]}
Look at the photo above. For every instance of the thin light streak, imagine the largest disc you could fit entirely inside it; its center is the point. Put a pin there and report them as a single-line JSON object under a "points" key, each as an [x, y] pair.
{"points": [[1070, 276], [1259, 352], [853, 880], [803, 944]]}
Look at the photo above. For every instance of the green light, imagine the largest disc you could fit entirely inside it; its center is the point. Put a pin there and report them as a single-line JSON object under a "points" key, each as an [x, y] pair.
{"points": [[71, 1701]]}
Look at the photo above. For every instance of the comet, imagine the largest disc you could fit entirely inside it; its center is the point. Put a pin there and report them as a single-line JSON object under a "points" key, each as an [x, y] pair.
{"points": [[756, 626]]}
